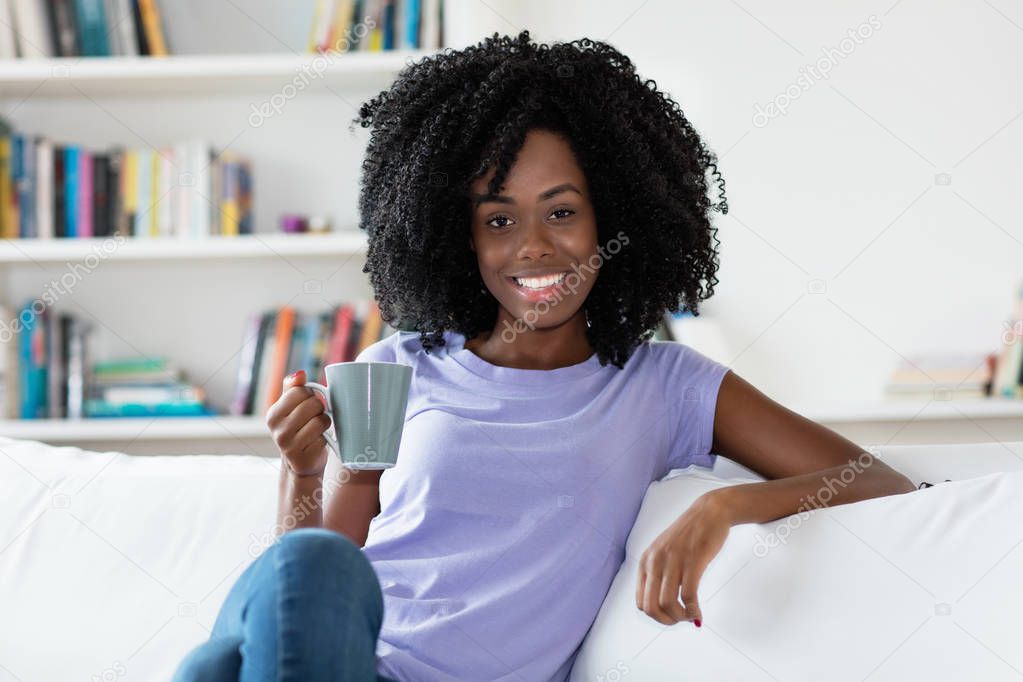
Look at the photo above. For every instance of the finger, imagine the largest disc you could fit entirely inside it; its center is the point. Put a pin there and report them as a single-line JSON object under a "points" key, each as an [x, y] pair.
{"points": [[311, 435], [307, 410], [652, 596], [640, 584], [289, 400], [668, 598], [690, 580]]}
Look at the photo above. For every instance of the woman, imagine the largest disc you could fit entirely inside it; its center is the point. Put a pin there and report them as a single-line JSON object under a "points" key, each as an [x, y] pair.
{"points": [[532, 210]]}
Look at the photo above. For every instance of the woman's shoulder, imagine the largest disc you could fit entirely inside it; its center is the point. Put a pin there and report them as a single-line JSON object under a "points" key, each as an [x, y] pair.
{"points": [[402, 346], [674, 356]]}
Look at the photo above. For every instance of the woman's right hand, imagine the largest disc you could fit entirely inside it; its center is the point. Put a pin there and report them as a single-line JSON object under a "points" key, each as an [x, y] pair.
{"points": [[297, 422]]}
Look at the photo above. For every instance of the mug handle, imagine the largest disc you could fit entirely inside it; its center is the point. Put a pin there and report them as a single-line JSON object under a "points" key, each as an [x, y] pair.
{"points": [[331, 440]]}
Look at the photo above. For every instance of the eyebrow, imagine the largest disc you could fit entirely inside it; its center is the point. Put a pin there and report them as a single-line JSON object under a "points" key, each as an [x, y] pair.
{"points": [[502, 199]]}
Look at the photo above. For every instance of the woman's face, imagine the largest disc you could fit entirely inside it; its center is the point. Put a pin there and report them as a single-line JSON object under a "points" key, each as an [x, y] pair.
{"points": [[541, 224]]}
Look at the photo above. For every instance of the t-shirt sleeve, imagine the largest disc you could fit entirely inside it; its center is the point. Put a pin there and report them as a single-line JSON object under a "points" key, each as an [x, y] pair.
{"points": [[691, 382]]}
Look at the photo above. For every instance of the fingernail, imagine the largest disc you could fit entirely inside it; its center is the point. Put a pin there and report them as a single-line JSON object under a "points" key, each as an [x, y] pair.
{"points": [[696, 622]]}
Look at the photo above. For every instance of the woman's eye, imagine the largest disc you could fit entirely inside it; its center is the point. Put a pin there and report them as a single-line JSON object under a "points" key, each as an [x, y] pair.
{"points": [[563, 210], [499, 217]]}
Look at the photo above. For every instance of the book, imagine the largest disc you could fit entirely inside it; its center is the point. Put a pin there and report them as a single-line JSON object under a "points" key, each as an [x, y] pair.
{"points": [[32, 362], [71, 179], [245, 376], [63, 31], [8, 226], [31, 29], [84, 194], [43, 228], [281, 348], [91, 25], [183, 408], [8, 42], [152, 28], [10, 403]]}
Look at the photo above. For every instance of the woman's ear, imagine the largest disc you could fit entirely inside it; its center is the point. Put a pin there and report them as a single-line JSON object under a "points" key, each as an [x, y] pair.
{"points": [[472, 247]]}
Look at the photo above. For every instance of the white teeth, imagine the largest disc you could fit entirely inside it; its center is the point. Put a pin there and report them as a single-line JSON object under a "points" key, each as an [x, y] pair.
{"points": [[539, 282]]}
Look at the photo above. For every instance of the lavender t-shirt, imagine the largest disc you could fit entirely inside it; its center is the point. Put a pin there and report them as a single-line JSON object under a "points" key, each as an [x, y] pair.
{"points": [[504, 521]]}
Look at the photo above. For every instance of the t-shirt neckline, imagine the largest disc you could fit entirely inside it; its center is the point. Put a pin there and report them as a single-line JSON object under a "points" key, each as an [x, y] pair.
{"points": [[513, 375]]}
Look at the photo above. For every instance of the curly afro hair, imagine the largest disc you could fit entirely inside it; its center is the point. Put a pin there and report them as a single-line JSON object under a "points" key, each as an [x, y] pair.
{"points": [[453, 115]]}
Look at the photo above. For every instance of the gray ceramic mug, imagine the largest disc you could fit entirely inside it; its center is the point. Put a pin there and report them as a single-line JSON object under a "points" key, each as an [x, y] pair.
{"points": [[366, 403]]}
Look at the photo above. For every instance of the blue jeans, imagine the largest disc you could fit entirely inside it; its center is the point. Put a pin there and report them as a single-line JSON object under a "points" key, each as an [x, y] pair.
{"points": [[308, 609]]}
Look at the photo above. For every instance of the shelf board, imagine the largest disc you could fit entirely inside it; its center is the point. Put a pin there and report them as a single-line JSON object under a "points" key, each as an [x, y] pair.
{"points": [[911, 409], [228, 427], [199, 74], [134, 428], [309, 245]]}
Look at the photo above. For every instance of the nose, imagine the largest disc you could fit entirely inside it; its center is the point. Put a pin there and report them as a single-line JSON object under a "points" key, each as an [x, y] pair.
{"points": [[535, 240]]}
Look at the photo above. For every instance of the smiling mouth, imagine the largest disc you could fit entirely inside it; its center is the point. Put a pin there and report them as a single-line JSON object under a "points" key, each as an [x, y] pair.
{"points": [[538, 283], [534, 294]]}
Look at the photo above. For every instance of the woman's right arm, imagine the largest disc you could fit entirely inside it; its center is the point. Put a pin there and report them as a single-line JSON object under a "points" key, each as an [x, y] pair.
{"points": [[352, 499], [310, 480]]}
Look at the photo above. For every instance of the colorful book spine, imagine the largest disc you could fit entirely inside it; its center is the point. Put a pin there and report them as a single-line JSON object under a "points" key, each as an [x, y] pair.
{"points": [[92, 28], [282, 344], [8, 227], [144, 191], [71, 177], [85, 199], [44, 189]]}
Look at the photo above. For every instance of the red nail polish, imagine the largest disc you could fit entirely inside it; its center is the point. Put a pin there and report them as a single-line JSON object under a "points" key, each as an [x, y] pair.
{"points": [[696, 622]]}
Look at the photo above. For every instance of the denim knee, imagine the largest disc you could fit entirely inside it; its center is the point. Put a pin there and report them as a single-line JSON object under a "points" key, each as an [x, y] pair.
{"points": [[215, 660], [326, 559]]}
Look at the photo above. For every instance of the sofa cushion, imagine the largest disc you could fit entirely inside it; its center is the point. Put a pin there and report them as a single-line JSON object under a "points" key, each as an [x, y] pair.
{"points": [[114, 567], [923, 585]]}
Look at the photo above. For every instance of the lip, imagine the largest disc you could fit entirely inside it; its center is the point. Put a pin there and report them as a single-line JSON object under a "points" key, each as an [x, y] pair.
{"points": [[535, 295]]}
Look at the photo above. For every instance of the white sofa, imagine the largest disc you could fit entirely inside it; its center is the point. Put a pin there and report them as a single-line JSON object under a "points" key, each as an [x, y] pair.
{"points": [[112, 567]]}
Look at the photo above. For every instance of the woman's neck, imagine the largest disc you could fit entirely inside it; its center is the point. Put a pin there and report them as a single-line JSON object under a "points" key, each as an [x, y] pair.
{"points": [[540, 348]]}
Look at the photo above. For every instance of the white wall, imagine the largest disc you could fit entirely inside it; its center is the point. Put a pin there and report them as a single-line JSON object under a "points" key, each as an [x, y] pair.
{"points": [[842, 187], [839, 189]]}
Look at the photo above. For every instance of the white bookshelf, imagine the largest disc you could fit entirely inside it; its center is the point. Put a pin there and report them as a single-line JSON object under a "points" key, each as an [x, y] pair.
{"points": [[172, 249], [65, 431], [196, 74], [188, 299]]}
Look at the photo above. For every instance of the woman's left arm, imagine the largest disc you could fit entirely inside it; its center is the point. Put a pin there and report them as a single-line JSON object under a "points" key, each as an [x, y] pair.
{"points": [[801, 457], [808, 466]]}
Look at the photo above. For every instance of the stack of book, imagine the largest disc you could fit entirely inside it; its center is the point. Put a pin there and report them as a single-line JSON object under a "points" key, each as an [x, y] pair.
{"points": [[80, 28], [52, 190], [279, 342], [43, 362], [1007, 372], [377, 25], [940, 376], [142, 387]]}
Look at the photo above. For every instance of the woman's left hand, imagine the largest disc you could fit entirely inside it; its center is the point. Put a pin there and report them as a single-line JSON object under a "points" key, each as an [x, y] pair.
{"points": [[679, 556]]}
